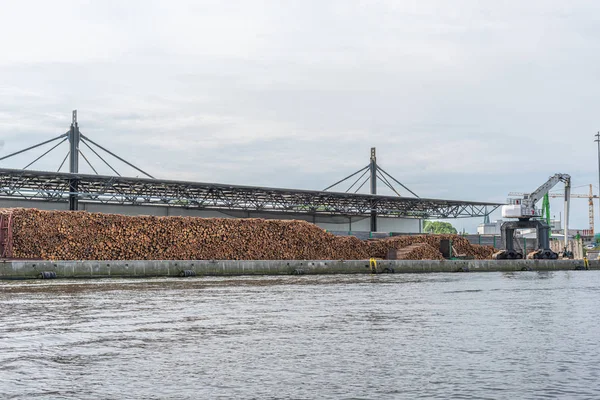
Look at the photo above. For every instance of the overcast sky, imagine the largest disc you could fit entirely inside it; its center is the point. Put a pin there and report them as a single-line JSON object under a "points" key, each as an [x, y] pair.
{"points": [[463, 99]]}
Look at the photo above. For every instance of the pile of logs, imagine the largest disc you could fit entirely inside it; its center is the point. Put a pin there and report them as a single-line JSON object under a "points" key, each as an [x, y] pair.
{"points": [[65, 235], [417, 251], [379, 248]]}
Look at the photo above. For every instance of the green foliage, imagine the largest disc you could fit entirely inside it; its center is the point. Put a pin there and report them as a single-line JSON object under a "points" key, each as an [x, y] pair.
{"points": [[438, 227]]}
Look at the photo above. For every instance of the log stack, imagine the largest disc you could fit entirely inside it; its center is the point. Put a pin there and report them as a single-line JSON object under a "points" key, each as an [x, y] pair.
{"points": [[379, 248], [416, 251], [80, 235]]}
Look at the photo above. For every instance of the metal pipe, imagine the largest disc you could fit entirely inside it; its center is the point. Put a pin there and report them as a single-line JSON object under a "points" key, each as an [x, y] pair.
{"points": [[346, 178], [361, 185], [100, 157], [383, 179], [356, 181], [33, 147], [88, 163], [53, 147], [117, 157], [398, 182], [63, 161]]}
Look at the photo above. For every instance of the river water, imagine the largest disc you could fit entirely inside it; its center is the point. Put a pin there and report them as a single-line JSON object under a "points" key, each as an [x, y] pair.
{"points": [[530, 335]]}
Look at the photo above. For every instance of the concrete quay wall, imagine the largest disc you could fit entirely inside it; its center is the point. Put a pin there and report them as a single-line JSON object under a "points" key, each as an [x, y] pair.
{"points": [[32, 269]]}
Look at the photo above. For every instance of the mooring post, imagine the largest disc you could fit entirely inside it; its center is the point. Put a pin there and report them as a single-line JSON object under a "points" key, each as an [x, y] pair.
{"points": [[373, 169], [74, 137]]}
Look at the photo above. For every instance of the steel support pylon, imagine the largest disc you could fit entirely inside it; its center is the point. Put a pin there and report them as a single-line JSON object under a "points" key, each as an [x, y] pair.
{"points": [[74, 138], [373, 170]]}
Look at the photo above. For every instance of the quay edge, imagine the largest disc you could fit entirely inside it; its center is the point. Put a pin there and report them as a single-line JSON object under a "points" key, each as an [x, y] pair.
{"points": [[35, 269]]}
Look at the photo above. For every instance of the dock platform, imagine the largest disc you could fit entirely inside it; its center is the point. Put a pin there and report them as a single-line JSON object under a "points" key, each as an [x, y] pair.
{"points": [[32, 269]]}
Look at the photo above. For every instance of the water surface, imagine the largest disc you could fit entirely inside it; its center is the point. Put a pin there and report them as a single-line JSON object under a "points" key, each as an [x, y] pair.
{"points": [[526, 335]]}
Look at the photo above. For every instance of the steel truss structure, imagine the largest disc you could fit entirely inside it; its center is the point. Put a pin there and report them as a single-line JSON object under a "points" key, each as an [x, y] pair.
{"points": [[375, 173], [75, 137], [73, 187], [57, 187]]}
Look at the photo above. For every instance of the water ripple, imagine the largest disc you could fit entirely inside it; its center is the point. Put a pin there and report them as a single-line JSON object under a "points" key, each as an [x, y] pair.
{"points": [[463, 336]]}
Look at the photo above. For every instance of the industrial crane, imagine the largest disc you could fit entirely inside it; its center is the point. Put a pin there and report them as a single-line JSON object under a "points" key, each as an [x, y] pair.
{"points": [[591, 196], [524, 210]]}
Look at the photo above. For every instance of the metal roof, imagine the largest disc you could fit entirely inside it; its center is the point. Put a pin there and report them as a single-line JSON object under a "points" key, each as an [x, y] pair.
{"points": [[56, 187]]}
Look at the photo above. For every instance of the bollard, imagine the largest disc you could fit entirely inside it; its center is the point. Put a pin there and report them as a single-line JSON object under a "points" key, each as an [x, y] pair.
{"points": [[373, 265]]}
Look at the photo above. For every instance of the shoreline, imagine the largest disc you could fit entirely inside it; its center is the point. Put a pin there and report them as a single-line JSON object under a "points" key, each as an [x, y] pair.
{"points": [[40, 269]]}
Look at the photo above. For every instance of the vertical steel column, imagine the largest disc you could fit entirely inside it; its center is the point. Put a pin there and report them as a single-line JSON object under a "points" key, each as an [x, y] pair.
{"points": [[567, 199], [591, 212], [598, 141], [373, 169], [74, 137]]}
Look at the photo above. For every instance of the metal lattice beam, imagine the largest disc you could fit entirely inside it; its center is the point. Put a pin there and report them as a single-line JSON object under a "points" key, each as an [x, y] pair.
{"points": [[51, 186]]}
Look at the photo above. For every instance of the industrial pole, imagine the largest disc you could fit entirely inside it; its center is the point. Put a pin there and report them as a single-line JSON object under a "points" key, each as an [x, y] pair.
{"points": [[598, 141], [74, 137], [591, 211], [373, 170], [567, 200]]}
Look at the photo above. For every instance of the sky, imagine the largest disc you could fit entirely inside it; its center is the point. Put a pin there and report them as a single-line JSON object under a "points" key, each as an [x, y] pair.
{"points": [[465, 100]]}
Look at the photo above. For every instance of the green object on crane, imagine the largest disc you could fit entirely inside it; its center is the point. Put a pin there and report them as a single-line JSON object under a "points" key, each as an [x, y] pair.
{"points": [[546, 212]]}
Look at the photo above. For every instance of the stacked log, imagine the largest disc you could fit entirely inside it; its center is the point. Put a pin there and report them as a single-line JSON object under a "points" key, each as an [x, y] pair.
{"points": [[65, 235], [379, 248], [417, 251]]}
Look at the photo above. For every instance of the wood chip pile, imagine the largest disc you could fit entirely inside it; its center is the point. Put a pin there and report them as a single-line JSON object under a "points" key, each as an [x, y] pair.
{"points": [[64, 235]]}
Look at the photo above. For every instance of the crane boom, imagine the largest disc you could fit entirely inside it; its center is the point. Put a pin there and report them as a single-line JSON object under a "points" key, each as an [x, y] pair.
{"points": [[537, 195], [591, 196], [524, 209]]}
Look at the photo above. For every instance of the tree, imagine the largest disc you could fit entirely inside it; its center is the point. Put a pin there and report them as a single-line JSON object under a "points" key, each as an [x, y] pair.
{"points": [[438, 227]]}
